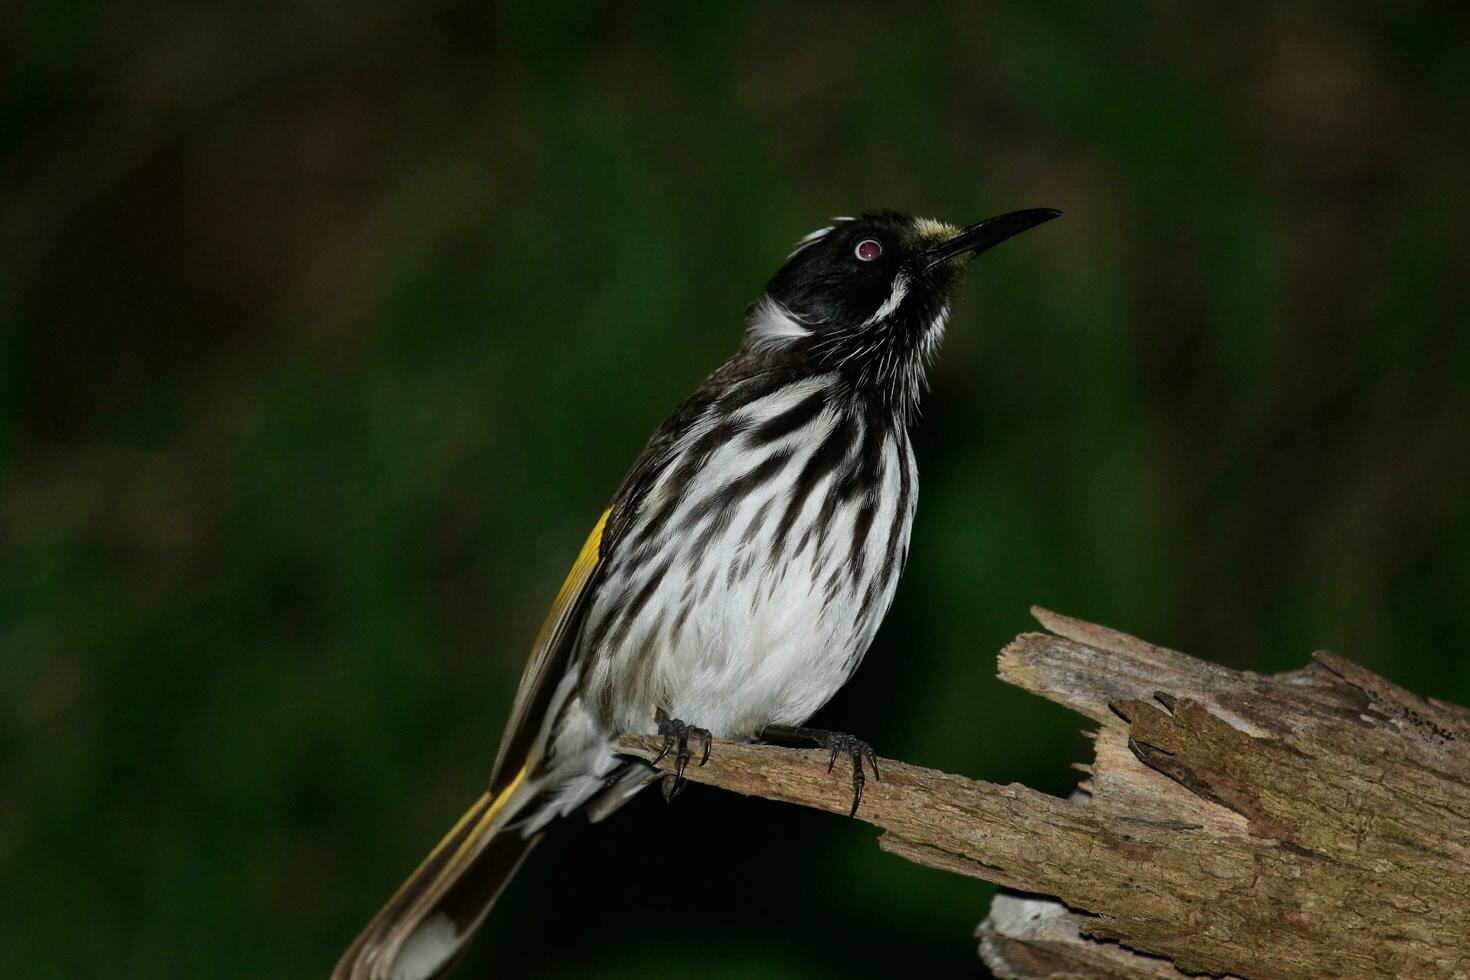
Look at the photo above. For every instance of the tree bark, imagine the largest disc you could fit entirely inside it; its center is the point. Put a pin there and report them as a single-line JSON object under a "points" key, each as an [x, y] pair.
{"points": [[1308, 824]]}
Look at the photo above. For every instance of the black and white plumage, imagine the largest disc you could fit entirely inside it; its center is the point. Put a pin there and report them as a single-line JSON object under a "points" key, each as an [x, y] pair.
{"points": [[740, 573]]}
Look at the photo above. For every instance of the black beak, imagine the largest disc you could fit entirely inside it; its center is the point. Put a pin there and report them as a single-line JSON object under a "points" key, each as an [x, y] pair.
{"points": [[988, 234]]}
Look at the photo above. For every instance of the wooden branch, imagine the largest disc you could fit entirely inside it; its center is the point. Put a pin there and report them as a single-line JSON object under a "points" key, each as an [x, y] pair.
{"points": [[1308, 824]]}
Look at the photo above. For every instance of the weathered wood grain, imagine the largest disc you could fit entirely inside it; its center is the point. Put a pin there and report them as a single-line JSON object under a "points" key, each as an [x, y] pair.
{"points": [[1309, 824]]}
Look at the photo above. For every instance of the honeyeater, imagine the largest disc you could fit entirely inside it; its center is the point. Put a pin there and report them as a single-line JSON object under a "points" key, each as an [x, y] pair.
{"points": [[738, 576]]}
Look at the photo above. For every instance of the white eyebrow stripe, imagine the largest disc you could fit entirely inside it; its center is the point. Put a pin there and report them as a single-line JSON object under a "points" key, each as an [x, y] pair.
{"points": [[900, 290], [820, 233], [815, 236]]}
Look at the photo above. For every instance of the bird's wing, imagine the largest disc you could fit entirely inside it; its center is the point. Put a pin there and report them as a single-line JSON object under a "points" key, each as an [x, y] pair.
{"points": [[549, 657], [424, 926], [555, 644], [428, 920]]}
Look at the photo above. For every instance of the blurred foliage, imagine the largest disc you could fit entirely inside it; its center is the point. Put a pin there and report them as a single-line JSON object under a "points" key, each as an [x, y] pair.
{"points": [[327, 330]]}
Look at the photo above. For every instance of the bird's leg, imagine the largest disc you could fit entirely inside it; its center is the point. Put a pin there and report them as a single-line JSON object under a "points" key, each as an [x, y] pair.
{"points": [[837, 743], [676, 736]]}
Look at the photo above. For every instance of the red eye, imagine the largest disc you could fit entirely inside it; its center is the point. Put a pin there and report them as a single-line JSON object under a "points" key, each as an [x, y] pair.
{"points": [[867, 250]]}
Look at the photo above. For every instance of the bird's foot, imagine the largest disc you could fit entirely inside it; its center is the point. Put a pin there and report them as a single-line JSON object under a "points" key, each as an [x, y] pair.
{"points": [[677, 737], [837, 743]]}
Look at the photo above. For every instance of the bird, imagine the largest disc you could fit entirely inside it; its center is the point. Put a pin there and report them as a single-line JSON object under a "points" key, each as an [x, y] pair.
{"points": [[737, 577]]}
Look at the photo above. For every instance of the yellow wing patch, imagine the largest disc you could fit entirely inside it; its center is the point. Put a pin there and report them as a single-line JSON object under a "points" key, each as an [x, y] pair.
{"points": [[381, 943], [552, 645], [572, 587]]}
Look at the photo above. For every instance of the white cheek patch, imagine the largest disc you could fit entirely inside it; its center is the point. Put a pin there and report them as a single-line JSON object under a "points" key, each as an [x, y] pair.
{"points": [[895, 297], [772, 323]]}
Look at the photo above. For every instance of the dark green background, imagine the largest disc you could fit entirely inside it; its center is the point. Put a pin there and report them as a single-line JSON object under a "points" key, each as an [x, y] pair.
{"points": [[326, 331]]}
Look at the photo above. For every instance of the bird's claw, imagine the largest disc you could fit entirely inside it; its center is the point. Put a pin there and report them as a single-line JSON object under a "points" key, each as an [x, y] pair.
{"points": [[837, 743], [859, 752], [677, 736]]}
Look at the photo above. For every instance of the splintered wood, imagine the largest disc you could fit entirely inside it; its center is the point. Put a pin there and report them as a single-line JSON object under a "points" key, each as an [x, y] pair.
{"points": [[1308, 824]]}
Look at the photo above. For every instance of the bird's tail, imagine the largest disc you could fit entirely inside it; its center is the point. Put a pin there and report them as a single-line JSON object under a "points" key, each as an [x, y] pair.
{"points": [[423, 928]]}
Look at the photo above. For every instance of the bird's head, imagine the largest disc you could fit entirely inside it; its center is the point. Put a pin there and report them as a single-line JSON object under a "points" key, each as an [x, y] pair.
{"points": [[869, 296]]}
